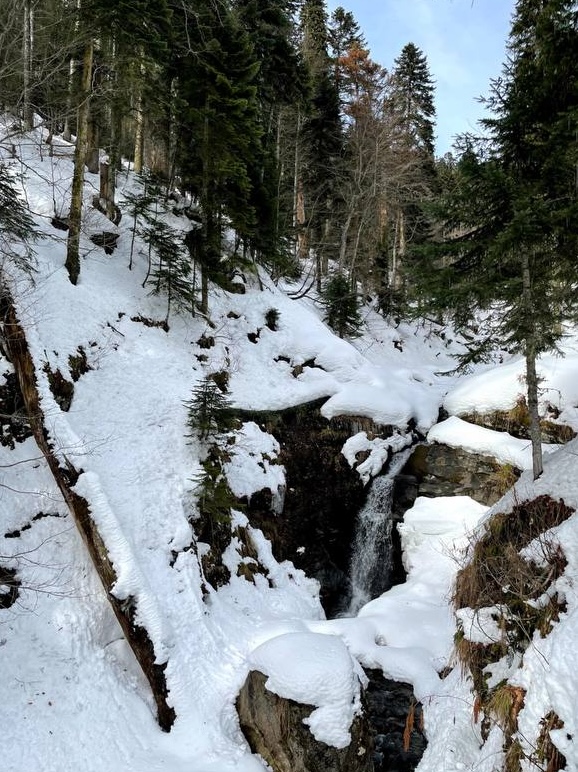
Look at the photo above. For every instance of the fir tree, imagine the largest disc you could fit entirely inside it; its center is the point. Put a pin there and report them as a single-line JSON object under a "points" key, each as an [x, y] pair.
{"points": [[511, 241], [208, 410], [342, 306], [16, 226]]}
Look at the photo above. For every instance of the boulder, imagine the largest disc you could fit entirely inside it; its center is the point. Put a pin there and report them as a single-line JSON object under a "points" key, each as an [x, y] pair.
{"points": [[275, 729]]}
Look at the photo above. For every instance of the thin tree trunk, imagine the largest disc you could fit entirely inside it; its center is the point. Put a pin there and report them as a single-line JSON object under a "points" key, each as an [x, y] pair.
{"points": [[27, 43], [66, 133], [75, 217], [139, 119], [531, 374]]}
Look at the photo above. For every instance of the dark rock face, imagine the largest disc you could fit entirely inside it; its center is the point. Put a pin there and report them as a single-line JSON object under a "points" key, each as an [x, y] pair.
{"points": [[275, 730], [438, 470], [322, 498], [395, 718]]}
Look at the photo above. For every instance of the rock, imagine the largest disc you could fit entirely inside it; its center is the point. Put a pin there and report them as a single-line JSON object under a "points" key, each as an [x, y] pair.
{"points": [[275, 730], [438, 470], [106, 240], [396, 721]]}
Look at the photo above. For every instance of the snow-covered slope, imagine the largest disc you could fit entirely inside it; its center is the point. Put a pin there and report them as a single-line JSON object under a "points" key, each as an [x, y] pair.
{"points": [[72, 695]]}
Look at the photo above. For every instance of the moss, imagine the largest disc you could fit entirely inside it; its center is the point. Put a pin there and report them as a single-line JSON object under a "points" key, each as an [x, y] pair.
{"points": [[496, 575]]}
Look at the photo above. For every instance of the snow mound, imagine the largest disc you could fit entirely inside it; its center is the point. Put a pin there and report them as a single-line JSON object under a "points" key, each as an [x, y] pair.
{"points": [[500, 388], [315, 670], [476, 439]]}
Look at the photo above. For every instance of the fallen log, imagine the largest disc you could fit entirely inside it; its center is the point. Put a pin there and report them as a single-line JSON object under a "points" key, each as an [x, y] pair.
{"points": [[17, 351]]}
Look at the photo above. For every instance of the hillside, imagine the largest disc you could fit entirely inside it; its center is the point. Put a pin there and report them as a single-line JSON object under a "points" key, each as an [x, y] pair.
{"points": [[113, 380]]}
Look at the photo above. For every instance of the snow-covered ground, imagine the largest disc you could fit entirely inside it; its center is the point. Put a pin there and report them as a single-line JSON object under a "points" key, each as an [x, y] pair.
{"points": [[71, 693]]}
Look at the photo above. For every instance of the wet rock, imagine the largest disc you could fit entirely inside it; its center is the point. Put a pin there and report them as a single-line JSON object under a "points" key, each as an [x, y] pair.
{"points": [[396, 723], [438, 470], [275, 730]]}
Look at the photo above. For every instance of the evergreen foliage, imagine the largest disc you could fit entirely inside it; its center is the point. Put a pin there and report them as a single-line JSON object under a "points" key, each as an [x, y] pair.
{"points": [[172, 274], [510, 240], [413, 98], [342, 306], [215, 496], [16, 226], [219, 129], [208, 410], [320, 137]]}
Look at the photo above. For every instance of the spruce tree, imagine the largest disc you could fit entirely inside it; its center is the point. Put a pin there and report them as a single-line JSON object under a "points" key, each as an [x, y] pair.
{"points": [[16, 227], [412, 114], [512, 241], [208, 410], [412, 98], [342, 306], [280, 84], [219, 128]]}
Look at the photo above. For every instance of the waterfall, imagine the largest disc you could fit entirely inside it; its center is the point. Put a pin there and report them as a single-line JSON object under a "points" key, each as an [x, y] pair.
{"points": [[371, 559]]}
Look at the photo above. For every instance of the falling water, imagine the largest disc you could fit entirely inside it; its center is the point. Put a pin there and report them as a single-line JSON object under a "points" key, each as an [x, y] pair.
{"points": [[371, 558]]}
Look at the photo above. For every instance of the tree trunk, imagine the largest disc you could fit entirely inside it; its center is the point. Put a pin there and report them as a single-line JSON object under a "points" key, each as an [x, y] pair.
{"points": [[75, 217], [125, 611], [139, 120], [66, 133], [531, 374], [27, 44]]}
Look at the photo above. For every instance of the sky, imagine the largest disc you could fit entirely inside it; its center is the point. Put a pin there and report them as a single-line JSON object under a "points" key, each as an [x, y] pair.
{"points": [[464, 41]]}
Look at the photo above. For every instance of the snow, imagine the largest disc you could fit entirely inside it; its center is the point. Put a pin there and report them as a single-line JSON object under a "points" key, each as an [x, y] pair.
{"points": [[378, 452], [315, 670], [69, 679], [477, 439], [500, 388]]}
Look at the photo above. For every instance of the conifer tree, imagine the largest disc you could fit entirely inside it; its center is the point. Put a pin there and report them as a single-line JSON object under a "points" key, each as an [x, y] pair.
{"points": [[280, 84], [208, 409], [512, 242], [16, 226], [219, 131], [342, 306], [320, 141], [412, 114]]}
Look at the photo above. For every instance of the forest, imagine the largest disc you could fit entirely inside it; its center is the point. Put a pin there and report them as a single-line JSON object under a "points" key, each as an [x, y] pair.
{"points": [[288, 144], [244, 305]]}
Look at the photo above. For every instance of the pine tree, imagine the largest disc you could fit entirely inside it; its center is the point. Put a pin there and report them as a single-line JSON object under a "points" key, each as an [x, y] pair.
{"points": [[512, 242], [208, 409], [342, 306], [16, 227]]}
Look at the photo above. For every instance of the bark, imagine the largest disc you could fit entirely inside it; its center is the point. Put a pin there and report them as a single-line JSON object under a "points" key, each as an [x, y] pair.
{"points": [[136, 636], [139, 121], [27, 110], [75, 217], [531, 374]]}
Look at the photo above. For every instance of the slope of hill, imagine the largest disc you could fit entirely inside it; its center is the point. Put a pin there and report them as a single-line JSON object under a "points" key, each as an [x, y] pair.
{"points": [[113, 382]]}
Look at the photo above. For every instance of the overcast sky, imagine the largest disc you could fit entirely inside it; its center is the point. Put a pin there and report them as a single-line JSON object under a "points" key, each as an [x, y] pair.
{"points": [[464, 41]]}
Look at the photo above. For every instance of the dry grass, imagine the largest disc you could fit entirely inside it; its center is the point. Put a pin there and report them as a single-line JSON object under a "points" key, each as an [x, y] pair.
{"points": [[497, 575]]}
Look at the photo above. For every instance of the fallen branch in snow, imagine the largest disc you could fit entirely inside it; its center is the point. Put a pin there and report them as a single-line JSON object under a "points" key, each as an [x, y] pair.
{"points": [[137, 636]]}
